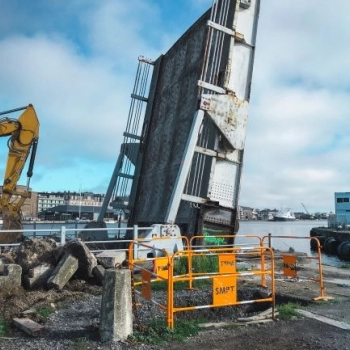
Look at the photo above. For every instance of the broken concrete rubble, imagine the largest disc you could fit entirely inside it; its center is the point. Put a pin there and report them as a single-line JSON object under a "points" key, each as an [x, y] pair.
{"points": [[29, 326], [111, 259], [11, 278], [37, 276], [34, 252], [87, 260], [43, 264], [99, 273], [63, 272]]}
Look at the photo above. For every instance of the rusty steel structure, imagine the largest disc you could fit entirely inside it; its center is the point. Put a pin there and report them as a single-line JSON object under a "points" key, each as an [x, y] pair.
{"points": [[182, 156]]}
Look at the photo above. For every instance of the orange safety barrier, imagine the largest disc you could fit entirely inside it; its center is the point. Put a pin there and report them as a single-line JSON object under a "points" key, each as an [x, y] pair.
{"points": [[290, 266], [149, 275], [290, 262], [224, 280], [214, 241]]}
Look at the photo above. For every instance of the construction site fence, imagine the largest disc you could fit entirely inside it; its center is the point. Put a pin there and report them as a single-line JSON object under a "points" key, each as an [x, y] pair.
{"points": [[63, 233], [223, 279], [290, 260]]}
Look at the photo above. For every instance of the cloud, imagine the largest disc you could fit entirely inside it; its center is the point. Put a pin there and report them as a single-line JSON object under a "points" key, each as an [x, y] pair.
{"points": [[297, 136], [76, 62]]}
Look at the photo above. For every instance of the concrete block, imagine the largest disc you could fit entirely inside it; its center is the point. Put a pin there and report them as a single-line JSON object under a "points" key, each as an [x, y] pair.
{"points": [[87, 260], [2, 267], [11, 278], [37, 277], [111, 259], [29, 326], [35, 251], [39, 270], [63, 272], [116, 318], [99, 272]]}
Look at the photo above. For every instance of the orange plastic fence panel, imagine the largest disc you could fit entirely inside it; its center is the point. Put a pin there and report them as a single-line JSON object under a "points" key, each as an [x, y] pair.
{"points": [[224, 290], [146, 284], [161, 267], [290, 266], [227, 263]]}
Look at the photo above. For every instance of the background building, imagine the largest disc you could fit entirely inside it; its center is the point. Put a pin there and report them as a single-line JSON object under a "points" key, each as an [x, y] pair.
{"points": [[65, 206], [70, 206]]}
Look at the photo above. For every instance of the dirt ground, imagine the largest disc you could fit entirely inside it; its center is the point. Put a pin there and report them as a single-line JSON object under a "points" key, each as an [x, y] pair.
{"points": [[75, 323], [290, 335], [298, 333]]}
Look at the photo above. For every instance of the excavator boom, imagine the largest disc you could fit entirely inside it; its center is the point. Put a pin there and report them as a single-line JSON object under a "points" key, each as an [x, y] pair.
{"points": [[24, 134]]}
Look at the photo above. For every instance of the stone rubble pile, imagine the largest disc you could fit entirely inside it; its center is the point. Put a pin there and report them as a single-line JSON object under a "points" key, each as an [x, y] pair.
{"points": [[43, 264]]}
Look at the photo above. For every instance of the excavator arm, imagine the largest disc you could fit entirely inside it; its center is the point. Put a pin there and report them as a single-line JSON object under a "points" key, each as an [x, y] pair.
{"points": [[24, 134]]}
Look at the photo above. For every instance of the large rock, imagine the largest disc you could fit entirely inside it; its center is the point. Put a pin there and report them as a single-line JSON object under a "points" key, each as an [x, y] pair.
{"points": [[11, 278], [111, 259], [87, 261], [63, 272], [99, 273], [37, 276], [34, 252]]}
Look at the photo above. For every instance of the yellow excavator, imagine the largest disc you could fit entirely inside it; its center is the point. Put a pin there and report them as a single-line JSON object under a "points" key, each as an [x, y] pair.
{"points": [[24, 135]]}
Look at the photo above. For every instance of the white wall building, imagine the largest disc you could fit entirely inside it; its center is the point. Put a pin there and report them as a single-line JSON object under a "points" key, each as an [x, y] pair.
{"points": [[342, 209]]}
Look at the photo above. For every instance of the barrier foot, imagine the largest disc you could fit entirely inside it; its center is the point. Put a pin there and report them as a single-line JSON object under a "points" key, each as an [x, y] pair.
{"points": [[325, 297]]}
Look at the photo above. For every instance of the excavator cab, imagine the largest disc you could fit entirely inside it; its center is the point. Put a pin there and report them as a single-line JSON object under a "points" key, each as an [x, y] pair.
{"points": [[24, 135]]}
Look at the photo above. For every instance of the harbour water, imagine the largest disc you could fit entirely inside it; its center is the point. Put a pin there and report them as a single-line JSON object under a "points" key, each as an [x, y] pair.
{"points": [[284, 230]]}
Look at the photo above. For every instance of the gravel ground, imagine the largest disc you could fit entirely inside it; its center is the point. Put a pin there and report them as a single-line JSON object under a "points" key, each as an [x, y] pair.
{"points": [[75, 326]]}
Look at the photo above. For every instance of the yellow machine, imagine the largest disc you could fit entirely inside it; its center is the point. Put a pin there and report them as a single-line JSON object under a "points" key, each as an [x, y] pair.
{"points": [[24, 134]]}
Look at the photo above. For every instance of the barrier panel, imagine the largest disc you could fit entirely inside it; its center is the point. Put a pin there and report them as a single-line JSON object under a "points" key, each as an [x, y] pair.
{"points": [[290, 266], [222, 281], [290, 262]]}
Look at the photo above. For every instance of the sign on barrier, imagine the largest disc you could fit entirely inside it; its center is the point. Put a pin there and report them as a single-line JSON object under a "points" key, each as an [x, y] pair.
{"points": [[227, 263], [146, 284], [290, 266], [224, 290], [161, 267]]}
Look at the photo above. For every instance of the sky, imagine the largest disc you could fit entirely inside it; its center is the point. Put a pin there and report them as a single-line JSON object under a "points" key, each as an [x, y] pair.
{"points": [[75, 61]]}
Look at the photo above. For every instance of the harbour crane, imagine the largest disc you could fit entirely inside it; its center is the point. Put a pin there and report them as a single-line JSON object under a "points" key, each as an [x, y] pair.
{"points": [[307, 212]]}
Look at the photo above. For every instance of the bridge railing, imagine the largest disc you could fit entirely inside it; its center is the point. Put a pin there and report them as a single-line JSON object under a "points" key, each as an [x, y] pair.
{"points": [[63, 234]]}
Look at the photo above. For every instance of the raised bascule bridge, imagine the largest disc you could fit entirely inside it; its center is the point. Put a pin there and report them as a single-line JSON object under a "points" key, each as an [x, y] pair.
{"points": [[181, 159]]}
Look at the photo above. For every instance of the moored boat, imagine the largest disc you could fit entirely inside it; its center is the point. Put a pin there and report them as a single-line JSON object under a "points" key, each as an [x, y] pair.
{"points": [[284, 215]]}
